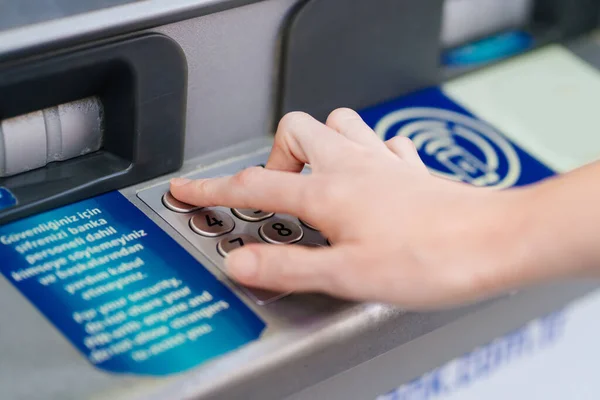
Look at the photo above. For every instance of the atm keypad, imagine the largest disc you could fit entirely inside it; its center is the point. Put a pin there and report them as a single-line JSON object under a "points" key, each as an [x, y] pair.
{"points": [[217, 231]]}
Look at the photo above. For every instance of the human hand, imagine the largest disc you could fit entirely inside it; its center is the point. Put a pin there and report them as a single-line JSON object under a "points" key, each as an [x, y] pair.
{"points": [[400, 235]]}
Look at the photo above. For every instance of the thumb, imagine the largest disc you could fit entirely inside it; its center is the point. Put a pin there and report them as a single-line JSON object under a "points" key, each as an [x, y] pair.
{"points": [[287, 268]]}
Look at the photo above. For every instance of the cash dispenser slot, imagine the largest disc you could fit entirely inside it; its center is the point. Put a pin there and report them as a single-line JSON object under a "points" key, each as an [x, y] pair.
{"points": [[80, 123]]}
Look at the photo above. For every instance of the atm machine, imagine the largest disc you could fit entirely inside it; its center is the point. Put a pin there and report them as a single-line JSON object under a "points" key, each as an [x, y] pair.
{"points": [[112, 289]]}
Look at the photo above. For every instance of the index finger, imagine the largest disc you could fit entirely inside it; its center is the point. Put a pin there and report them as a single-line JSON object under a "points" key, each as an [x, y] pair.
{"points": [[300, 140], [256, 188]]}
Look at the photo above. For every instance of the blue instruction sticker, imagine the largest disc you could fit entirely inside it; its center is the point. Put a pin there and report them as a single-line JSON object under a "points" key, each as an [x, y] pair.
{"points": [[7, 199], [454, 143], [121, 290]]}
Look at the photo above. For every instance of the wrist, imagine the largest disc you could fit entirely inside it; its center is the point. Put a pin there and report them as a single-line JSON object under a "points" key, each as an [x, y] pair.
{"points": [[525, 258], [506, 235], [544, 244], [563, 236], [485, 244]]}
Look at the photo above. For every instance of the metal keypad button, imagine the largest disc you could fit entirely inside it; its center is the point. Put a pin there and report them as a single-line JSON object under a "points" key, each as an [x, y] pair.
{"points": [[177, 206], [230, 243], [250, 215], [281, 231], [212, 223]]}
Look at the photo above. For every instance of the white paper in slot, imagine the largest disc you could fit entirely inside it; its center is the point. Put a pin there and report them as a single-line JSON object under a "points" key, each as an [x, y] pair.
{"points": [[466, 20]]}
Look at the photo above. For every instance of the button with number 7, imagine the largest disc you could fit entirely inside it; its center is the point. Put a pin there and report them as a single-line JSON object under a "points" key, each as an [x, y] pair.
{"points": [[212, 223], [230, 243]]}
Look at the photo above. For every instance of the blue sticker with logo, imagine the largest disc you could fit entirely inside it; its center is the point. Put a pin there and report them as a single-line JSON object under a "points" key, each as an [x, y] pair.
{"points": [[125, 294], [454, 143], [490, 49], [7, 199]]}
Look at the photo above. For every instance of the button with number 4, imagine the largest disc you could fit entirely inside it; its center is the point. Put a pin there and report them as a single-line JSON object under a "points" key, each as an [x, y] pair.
{"points": [[281, 231], [230, 243], [212, 223]]}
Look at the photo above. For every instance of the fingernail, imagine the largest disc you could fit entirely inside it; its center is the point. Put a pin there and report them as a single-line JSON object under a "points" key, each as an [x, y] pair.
{"points": [[180, 181], [242, 265]]}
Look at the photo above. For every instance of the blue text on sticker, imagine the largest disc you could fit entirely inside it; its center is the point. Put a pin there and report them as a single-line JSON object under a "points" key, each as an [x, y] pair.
{"points": [[454, 143], [121, 290]]}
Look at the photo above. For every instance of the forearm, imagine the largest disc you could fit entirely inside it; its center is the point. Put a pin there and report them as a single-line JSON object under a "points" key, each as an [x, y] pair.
{"points": [[561, 226]]}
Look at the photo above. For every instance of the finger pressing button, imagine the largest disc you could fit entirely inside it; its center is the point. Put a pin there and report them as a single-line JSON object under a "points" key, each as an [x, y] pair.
{"points": [[281, 231], [177, 206], [212, 223], [250, 215]]}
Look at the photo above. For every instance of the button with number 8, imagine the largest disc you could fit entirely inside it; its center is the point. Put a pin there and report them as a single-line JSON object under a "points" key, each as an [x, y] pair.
{"points": [[281, 231], [212, 223], [230, 243]]}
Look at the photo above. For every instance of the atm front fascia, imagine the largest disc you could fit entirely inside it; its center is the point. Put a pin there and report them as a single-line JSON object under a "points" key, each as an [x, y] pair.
{"points": [[195, 88]]}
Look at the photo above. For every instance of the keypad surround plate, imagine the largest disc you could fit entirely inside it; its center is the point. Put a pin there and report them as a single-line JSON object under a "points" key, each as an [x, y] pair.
{"points": [[208, 246]]}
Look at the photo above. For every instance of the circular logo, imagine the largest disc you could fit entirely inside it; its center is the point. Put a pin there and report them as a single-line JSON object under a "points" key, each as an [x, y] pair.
{"points": [[455, 146]]}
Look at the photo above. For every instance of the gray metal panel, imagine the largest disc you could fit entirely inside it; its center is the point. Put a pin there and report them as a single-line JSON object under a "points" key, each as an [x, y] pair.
{"points": [[405, 363], [231, 74], [79, 28], [358, 53], [19, 13], [236, 49]]}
